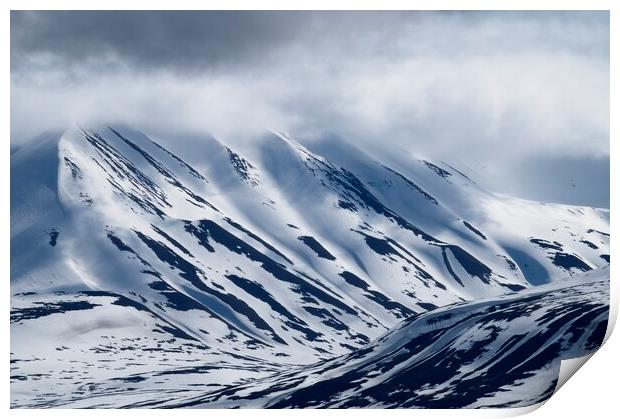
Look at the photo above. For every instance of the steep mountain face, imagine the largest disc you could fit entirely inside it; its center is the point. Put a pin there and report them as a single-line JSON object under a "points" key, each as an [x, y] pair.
{"points": [[200, 269]]}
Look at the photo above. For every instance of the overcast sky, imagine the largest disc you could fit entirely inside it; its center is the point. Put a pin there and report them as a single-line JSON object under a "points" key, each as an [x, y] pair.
{"points": [[520, 97]]}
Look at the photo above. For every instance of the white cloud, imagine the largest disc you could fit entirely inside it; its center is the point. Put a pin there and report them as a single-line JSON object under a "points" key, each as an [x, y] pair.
{"points": [[494, 88]]}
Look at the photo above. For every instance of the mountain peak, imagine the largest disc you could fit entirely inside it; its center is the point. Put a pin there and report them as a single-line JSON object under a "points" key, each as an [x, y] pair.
{"points": [[261, 255]]}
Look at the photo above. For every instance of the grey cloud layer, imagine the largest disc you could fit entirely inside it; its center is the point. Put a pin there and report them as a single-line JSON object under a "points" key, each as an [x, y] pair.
{"points": [[179, 40], [503, 89], [182, 40]]}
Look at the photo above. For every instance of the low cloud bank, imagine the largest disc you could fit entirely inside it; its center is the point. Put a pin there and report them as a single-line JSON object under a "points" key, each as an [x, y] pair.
{"points": [[501, 92]]}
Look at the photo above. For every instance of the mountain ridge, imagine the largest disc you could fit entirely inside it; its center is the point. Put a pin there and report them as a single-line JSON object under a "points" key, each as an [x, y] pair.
{"points": [[294, 256]]}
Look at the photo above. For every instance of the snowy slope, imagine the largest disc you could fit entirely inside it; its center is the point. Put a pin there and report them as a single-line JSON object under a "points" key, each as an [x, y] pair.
{"points": [[495, 352], [258, 256]]}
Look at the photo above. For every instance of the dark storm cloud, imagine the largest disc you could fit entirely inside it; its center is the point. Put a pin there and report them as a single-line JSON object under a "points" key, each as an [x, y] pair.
{"points": [[183, 41], [196, 40], [490, 89], [176, 39]]}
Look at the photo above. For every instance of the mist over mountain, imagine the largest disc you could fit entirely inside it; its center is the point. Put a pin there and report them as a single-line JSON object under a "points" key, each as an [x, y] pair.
{"points": [[514, 95], [155, 277]]}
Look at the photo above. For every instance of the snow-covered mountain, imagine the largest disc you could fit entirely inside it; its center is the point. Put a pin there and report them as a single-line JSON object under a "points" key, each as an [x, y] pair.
{"points": [[457, 356], [186, 274]]}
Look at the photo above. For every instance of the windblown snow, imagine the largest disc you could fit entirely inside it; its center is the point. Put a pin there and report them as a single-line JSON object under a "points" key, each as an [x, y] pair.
{"points": [[273, 274]]}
